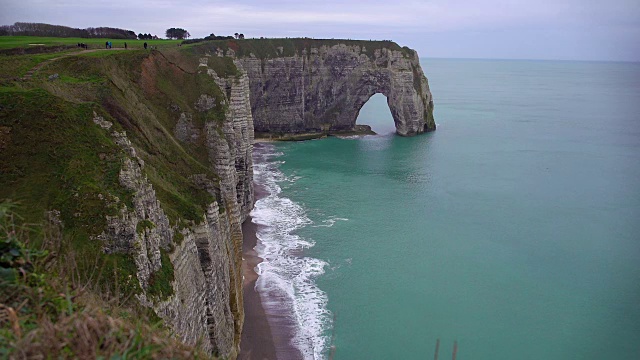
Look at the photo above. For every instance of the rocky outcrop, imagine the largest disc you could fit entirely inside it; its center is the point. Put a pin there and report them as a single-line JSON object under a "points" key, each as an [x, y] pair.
{"points": [[322, 89]]}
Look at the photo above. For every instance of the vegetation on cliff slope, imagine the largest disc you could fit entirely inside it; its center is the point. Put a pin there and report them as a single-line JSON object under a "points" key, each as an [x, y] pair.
{"points": [[59, 167], [55, 150]]}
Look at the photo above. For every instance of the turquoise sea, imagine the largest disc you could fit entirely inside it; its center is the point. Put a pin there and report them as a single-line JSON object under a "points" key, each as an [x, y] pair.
{"points": [[514, 229]]}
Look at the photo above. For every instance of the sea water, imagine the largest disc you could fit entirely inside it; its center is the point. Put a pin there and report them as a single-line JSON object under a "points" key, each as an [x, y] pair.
{"points": [[513, 230]]}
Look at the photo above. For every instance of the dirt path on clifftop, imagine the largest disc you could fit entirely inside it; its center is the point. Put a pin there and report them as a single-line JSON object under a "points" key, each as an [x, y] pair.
{"points": [[32, 71]]}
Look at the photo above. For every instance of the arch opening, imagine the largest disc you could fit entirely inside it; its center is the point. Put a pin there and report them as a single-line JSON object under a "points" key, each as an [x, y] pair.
{"points": [[377, 114]]}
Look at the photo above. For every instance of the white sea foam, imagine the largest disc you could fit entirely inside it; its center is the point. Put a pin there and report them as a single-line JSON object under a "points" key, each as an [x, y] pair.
{"points": [[330, 221], [352, 137], [287, 277]]}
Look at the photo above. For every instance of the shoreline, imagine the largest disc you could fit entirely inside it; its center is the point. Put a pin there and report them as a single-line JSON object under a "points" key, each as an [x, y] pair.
{"points": [[256, 339], [265, 334]]}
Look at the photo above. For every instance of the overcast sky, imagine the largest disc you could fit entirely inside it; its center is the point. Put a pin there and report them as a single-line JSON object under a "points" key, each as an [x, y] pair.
{"points": [[512, 29]]}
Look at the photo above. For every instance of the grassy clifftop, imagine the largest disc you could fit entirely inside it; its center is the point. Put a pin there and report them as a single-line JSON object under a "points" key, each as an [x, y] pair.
{"points": [[55, 159], [272, 48]]}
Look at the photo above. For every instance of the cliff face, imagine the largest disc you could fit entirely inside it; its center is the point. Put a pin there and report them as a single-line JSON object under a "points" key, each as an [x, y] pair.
{"points": [[206, 300], [323, 88]]}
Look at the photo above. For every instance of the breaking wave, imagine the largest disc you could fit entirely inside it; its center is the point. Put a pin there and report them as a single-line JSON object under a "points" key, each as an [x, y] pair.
{"points": [[286, 280]]}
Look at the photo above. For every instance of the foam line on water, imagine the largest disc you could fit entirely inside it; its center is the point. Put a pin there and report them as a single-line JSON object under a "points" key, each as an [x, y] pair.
{"points": [[287, 277], [330, 221]]}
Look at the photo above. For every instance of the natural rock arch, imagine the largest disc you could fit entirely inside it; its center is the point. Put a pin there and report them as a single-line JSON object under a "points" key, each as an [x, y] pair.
{"points": [[322, 90]]}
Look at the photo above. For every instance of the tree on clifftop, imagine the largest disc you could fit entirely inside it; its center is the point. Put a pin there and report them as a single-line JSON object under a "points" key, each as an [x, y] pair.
{"points": [[177, 33], [142, 36]]}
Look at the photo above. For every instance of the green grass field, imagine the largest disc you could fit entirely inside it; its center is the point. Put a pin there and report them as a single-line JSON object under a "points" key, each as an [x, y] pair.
{"points": [[8, 42], [13, 66]]}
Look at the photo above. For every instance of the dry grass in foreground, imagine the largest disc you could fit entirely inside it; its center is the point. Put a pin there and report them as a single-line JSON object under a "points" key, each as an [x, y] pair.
{"points": [[91, 334], [46, 314]]}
